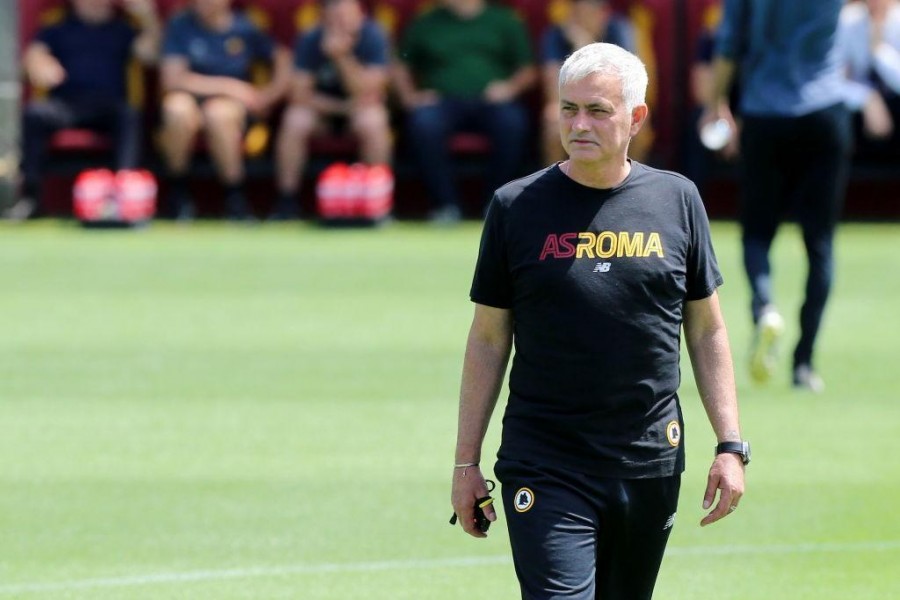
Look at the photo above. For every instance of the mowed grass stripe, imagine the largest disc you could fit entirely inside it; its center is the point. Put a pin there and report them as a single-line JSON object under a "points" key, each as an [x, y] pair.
{"points": [[417, 564]]}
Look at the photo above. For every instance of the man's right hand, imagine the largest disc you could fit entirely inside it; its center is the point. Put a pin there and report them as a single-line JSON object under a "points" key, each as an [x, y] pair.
{"points": [[877, 121], [245, 93], [468, 486], [143, 10], [337, 42], [48, 74]]}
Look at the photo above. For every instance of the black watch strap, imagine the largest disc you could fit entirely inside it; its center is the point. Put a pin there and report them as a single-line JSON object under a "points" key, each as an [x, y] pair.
{"points": [[742, 449]]}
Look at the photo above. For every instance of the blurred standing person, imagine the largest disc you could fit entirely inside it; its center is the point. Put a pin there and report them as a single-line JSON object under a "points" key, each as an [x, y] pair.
{"points": [[593, 268], [340, 79], [463, 66], [588, 21], [82, 64], [869, 37], [208, 52], [795, 146]]}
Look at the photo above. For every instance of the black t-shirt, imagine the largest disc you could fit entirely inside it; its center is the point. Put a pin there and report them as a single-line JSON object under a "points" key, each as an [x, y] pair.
{"points": [[95, 57], [596, 281]]}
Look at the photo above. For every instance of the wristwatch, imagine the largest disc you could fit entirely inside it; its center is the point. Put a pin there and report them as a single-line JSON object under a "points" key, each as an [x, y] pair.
{"points": [[742, 449]]}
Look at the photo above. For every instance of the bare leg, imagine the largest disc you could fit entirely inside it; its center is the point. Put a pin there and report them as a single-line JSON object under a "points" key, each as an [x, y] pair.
{"points": [[224, 121], [181, 120], [370, 125], [292, 146]]}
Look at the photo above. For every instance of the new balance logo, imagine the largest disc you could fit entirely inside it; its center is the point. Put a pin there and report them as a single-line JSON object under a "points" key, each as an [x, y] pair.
{"points": [[669, 522], [602, 267]]}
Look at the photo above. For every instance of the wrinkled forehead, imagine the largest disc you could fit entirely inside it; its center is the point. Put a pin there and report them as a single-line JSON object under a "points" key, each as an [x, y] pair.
{"points": [[593, 88]]}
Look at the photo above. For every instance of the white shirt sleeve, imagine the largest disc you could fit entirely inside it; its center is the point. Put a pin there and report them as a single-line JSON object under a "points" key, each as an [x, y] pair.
{"points": [[886, 61], [856, 94]]}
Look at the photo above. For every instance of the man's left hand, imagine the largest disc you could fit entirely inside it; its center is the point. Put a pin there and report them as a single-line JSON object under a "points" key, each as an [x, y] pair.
{"points": [[142, 10], [469, 485], [337, 42], [727, 477]]}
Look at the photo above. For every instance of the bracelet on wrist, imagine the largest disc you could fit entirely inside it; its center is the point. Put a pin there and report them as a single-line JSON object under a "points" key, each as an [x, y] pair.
{"points": [[465, 466]]}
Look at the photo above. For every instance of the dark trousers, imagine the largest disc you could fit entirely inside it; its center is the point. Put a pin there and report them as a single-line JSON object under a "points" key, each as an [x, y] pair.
{"points": [[576, 537], [429, 129], [43, 118], [794, 167]]}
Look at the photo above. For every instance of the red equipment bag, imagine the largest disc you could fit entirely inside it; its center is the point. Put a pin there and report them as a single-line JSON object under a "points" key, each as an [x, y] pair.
{"points": [[355, 194], [127, 197]]}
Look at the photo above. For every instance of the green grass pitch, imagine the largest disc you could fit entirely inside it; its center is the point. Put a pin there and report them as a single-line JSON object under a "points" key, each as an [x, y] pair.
{"points": [[226, 412]]}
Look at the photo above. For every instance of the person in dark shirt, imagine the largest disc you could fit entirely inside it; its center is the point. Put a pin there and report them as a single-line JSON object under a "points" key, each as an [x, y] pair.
{"points": [[80, 64], [592, 267], [340, 78], [588, 21], [209, 51]]}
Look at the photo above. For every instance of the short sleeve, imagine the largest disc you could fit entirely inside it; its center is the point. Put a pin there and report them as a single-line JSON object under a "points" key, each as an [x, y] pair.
{"points": [[621, 33], [306, 51], [703, 275], [492, 283], [175, 40], [730, 36], [518, 43], [49, 37], [373, 47], [886, 61], [262, 44], [706, 47], [552, 47]]}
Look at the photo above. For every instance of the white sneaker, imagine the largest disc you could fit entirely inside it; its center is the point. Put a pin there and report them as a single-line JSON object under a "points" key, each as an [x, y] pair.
{"points": [[807, 379], [764, 352], [22, 210], [445, 215]]}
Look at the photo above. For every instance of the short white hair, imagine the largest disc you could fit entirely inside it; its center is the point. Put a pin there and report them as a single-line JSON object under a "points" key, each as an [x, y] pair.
{"points": [[608, 59]]}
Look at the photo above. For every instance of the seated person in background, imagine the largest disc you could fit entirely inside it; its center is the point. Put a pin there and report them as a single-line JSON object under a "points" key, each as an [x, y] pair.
{"points": [[463, 66], [869, 40], [208, 52], [588, 21], [339, 79], [82, 64]]}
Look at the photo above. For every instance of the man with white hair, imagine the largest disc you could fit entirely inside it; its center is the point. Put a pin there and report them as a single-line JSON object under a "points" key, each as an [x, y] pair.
{"points": [[591, 267]]}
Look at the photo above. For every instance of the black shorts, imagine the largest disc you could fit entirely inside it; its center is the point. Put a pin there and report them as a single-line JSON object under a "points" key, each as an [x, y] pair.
{"points": [[580, 537]]}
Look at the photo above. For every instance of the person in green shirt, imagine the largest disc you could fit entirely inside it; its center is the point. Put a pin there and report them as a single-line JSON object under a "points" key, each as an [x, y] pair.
{"points": [[463, 66]]}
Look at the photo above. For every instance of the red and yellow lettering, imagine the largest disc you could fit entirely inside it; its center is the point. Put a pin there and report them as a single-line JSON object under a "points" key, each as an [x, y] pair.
{"points": [[586, 243]]}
